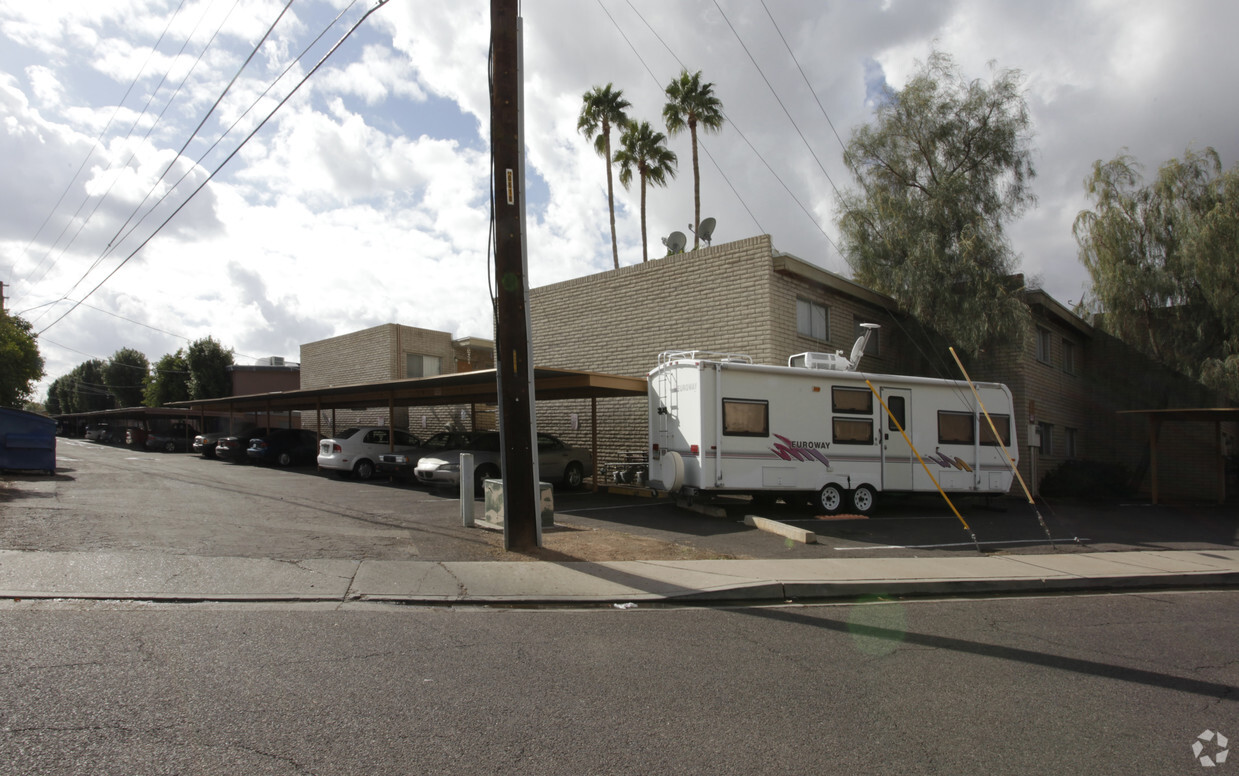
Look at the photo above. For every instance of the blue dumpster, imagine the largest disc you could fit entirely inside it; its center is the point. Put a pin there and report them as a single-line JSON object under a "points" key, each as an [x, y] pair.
{"points": [[27, 441]]}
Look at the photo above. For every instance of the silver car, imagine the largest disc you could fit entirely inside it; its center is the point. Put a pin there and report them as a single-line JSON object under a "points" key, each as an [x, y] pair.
{"points": [[557, 462]]}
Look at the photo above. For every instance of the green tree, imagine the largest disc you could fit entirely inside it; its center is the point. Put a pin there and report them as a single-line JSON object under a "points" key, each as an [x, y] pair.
{"points": [[945, 164], [602, 109], [692, 104], [52, 402], [644, 151], [84, 389], [125, 375], [208, 373], [168, 381], [1163, 262], [21, 365]]}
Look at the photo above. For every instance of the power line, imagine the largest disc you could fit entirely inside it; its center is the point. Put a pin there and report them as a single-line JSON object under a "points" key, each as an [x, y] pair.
{"points": [[378, 4]]}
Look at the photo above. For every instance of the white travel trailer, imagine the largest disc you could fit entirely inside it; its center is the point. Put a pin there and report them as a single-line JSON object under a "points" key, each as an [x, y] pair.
{"points": [[720, 423]]}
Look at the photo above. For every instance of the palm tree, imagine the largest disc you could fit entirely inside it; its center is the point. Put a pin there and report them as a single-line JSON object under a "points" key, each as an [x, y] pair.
{"points": [[691, 103], [644, 150], [603, 108]]}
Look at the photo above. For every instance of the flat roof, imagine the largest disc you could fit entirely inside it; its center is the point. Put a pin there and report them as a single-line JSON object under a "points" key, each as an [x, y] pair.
{"points": [[477, 387]]}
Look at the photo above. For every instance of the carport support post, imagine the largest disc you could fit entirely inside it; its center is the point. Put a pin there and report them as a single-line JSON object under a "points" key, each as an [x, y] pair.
{"points": [[522, 530]]}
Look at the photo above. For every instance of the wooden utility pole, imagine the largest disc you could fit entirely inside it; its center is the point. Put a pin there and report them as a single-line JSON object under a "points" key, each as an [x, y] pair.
{"points": [[522, 528]]}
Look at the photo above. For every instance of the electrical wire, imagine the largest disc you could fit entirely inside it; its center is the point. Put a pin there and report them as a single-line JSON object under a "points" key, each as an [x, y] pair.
{"points": [[378, 4]]}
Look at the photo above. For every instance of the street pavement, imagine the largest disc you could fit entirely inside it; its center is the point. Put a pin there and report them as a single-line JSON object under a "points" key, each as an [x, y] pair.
{"points": [[776, 553]]}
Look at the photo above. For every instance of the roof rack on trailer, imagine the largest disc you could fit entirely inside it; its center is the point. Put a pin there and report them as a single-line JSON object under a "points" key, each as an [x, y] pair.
{"points": [[668, 356]]}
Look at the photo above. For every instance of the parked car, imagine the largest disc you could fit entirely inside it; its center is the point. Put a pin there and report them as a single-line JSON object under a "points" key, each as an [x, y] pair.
{"points": [[175, 437], [233, 447], [204, 444], [557, 462], [135, 436], [99, 432], [401, 465], [354, 452], [284, 446]]}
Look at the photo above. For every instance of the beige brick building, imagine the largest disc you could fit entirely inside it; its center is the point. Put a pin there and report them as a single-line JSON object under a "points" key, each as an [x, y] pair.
{"points": [[392, 352], [1069, 380]]}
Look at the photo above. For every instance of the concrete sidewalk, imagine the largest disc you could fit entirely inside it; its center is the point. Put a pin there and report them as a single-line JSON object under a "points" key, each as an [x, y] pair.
{"points": [[162, 577]]}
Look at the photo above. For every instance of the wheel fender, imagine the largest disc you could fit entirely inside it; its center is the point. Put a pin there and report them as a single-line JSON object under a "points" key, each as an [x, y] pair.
{"points": [[672, 471]]}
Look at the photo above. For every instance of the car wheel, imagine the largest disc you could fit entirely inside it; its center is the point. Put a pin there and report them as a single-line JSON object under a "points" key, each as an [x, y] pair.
{"points": [[284, 459], [364, 469], [830, 499], [574, 475], [864, 500], [169, 447], [487, 471]]}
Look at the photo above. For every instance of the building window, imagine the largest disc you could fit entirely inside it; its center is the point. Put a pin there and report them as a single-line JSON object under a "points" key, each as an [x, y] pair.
{"points": [[746, 417], [872, 348], [812, 320], [1069, 437], [1069, 357], [421, 366], [1043, 345], [1046, 431]]}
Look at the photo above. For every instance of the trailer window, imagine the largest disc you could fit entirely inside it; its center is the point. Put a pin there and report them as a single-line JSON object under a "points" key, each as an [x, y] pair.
{"points": [[955, 428], [1003, 424], [746, 417], [851, 431], [851, 400], [898, 408]]}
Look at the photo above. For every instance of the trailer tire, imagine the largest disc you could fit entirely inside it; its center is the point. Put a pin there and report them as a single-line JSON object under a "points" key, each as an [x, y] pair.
{"points": [[673, 471], [830, 499], [863, 500]]}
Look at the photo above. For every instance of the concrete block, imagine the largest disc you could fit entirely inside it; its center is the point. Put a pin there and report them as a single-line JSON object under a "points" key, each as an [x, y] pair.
{"points": [[782, 529]]}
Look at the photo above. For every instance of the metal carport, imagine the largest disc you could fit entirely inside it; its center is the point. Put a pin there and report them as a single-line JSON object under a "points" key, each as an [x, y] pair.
{"points": [[1216, 416], [478, 387]]}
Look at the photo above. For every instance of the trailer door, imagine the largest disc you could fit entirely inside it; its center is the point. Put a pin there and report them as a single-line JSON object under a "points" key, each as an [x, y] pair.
{"points": [[897, 456]]}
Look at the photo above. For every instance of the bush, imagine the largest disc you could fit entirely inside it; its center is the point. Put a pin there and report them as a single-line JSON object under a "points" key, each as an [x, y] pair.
{"points": [[1088, 480]]}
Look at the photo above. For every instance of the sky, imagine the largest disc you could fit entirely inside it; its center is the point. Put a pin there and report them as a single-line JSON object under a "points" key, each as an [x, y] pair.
{"points": [[364, 198]]}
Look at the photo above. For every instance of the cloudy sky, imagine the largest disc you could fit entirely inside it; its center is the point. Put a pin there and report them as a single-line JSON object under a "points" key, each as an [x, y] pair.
{"points": [[364, 198]]}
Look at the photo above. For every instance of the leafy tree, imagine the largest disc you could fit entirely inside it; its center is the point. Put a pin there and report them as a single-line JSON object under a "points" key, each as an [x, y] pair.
{"points": [[1163, 262], [645, 151], [945, 164], [125, 375], [168, 381], [52, 402], [602, 109], [208, 375], [84, 389], [21, 365], [692, 104]]}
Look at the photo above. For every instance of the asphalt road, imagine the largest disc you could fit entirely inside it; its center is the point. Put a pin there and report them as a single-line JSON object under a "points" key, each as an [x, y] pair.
{"points": [[1114, 684], [112, 499]]}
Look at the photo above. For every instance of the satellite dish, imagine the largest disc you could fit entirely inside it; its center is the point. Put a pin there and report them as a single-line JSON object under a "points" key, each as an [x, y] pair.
{"points": [[858, 349], [675, 242], [705, 229]]}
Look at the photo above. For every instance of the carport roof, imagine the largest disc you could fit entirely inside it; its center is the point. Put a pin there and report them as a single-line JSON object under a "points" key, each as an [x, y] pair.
{"points": [[477, 387]]}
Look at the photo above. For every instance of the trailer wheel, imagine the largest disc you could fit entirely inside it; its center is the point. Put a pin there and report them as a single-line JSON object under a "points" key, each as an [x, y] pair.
{"points": [[863, 500], [830, 499]]}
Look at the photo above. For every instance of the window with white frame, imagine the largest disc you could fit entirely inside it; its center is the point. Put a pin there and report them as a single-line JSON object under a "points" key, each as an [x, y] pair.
{"points": [[417, 365], [812, 320]]}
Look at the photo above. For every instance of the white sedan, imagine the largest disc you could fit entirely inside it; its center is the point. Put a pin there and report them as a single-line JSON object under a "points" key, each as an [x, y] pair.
{"points": [[353, 452]]}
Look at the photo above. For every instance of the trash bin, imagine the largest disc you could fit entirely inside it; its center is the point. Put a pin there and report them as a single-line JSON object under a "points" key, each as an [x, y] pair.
{"points": [[27, 441]]}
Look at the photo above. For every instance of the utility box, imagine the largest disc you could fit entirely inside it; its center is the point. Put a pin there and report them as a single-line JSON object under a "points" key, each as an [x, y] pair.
{"points": [[493, 501], [27, 441]]}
